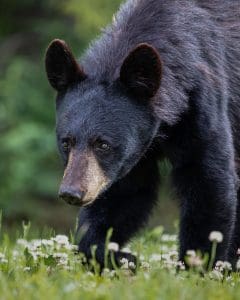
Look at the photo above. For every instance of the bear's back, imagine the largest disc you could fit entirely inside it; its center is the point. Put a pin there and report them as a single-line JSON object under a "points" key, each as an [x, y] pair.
{"points": [[192, 37]]}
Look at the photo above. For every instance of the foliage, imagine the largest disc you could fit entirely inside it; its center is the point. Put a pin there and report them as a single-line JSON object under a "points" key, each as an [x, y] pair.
{"points": [[95, 20], [50, 268]]}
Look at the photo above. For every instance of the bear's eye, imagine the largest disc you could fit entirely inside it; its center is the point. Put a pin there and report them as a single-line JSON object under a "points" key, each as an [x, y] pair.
{"points": [[102, 146], [67, 143], [66, 146]]}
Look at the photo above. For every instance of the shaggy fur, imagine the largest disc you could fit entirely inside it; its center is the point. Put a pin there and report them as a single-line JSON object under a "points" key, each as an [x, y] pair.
{"points": [[192, 119]]}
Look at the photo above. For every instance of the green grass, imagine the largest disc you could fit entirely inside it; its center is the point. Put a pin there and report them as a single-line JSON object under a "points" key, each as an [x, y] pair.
{"points": [[49, 269]]}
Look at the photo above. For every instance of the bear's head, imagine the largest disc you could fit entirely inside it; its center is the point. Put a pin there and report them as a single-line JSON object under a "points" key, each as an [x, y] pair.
{"points": [[103, 128]]}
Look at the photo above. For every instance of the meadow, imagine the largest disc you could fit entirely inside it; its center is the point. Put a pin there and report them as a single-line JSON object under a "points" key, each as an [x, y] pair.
{"points": [[50, 268]]}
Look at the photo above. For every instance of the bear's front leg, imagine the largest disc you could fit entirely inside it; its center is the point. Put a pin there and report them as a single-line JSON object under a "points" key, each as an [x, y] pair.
{"points": [[125, 208], [97, 237], [206, 185]]}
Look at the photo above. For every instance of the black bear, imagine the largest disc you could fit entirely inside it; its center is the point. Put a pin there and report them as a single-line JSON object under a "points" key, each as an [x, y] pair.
{"points": [[162, 81]]}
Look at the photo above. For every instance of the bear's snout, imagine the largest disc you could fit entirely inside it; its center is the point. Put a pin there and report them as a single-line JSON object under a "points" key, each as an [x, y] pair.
{"points": [[83, 179], [72, 197]]}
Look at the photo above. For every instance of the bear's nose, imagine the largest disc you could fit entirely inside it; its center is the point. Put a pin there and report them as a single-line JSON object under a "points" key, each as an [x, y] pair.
{"points": [[71, 196]]}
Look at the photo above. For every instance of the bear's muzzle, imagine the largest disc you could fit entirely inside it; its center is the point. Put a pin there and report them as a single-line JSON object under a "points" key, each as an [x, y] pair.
{"points": [[83, 179]]}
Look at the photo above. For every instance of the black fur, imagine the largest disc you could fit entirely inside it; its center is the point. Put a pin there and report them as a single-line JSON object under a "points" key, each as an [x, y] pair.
{"points": [[192, 119]]}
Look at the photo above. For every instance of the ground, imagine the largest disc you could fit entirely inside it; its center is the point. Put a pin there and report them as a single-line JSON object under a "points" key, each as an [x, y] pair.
{"points": [[49, 269]]}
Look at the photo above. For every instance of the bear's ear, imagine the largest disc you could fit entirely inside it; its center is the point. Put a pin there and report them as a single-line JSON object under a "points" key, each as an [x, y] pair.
{"points": [[141, 71], [61, 66]]}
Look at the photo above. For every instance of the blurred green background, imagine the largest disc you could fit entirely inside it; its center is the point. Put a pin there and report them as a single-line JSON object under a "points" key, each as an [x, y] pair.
{"points": [[30, 168]]}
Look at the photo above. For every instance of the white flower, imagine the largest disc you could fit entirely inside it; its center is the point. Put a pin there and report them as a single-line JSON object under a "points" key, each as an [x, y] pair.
{"points": [[70, 247], [61, 240], [3, 259], [62, 263], [191, 253], [126, 250], [32, 247], [216, 236], [223, 265], [113, 273], [74, 247], [229, 279], [169, 264], [41, 254], [132, 265], [26, 269], [108, 273], [194, 261], [15, 254], [166, 256], [36, 243], [155, 257], [145, 265], [123, 260], [113, 247], [227, 266], [219, 265], [62, 258], [180, 265], [22, 242], [47, 242], [216, 275], [60, 255], [124, 263], [169, 238], [90, 274]]}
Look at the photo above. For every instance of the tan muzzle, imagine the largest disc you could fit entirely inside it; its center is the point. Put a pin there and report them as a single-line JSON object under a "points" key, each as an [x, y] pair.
{"points": [[83, 179]]}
